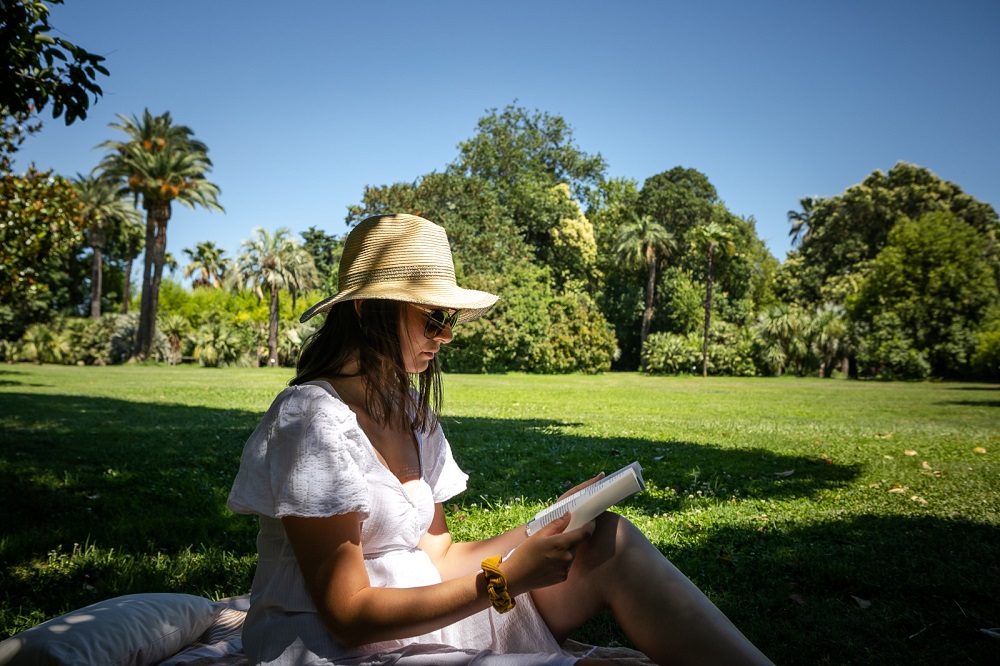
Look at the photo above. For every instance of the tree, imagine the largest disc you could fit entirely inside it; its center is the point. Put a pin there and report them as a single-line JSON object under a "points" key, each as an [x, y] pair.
{"points": [[41, 233], [207, 260], [711, 238], [831, 337], [104, 209], [132, 239], [799, 221], [847, 231], [515, 144], [175, 327], [483, 237], [160, 163], [269, 262], [38, 68], [925, 297], [325, 250], [645, 242], [521, 156], [680, 199]]}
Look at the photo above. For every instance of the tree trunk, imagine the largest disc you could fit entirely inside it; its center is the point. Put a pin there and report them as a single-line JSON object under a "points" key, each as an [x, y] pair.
{"points": [[157, 215], [96, 270], [272, 330], [127, 284], [708, 315], [647, 314]]}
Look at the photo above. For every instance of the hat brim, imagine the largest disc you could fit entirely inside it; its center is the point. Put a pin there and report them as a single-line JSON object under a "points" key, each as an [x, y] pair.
{"points": [[470, 303]]}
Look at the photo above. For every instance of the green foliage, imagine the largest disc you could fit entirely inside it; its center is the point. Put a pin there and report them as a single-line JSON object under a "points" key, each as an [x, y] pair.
{"points": [[730, 352], [39, 68], [986, 358], [924, 298], [679, 199], [208, 263], [481, 232], [325, 250], [41, 233], [532, 329], [844, 231]]}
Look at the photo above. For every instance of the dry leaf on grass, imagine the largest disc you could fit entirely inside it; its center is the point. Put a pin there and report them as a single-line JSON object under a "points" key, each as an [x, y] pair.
{"points": [[909, 452], [787, 472], [863, 604], [918, 499], [926, 465], [979, 449], [896, 488]]}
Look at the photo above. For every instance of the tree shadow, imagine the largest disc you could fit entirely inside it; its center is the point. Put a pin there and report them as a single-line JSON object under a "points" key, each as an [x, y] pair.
{"points": [[5, 373], [128, 475], [972, 403], [535, 460], [150, 479], [864, 590]]}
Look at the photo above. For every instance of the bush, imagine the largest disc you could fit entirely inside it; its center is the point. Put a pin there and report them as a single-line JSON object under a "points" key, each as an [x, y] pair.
{"points": [[730, 352], [886, 353], [532, 329], [986, 358]]}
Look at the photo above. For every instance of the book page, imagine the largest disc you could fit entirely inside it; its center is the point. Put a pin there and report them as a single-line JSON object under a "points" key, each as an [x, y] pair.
{"points": [[588, 503]]}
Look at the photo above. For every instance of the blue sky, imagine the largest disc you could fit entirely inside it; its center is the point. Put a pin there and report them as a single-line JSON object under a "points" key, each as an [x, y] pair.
{"points": [[304, 103]]}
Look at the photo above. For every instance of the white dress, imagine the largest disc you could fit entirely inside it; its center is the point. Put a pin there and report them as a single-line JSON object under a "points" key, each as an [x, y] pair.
{"points": [[309, 457]]}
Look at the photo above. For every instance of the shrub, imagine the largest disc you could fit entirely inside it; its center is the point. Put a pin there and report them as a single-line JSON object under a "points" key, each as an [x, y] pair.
{"points": [[532, 329]]}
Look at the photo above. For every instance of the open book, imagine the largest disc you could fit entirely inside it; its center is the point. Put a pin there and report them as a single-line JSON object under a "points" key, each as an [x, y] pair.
{"points": [[588, 503]]}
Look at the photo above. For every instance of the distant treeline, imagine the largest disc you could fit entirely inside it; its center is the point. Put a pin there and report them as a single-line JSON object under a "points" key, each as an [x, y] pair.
{"points": [[897, 277]]}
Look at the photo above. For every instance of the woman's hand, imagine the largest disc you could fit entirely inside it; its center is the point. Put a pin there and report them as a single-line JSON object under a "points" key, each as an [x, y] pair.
{"points": [[583, 485], [545, 557]]}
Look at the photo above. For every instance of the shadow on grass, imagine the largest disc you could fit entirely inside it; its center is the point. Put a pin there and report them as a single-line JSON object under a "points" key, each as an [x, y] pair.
{"points": [[137, 477], [5, 380], [859, 590], [535, 460], [149, 479]]}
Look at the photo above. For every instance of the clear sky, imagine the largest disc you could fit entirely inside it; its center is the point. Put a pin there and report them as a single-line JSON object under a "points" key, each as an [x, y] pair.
{"points": [[304, 103]]}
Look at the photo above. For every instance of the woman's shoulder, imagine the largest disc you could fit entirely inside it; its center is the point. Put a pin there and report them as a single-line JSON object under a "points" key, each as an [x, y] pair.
{"points": [[316, 394]]}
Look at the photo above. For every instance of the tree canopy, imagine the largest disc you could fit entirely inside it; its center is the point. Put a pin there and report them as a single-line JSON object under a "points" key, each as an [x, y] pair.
{"points": [[39, 69]]}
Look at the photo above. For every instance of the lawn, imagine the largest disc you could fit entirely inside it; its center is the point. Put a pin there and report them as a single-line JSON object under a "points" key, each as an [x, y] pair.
{"points": [[835, 522]]}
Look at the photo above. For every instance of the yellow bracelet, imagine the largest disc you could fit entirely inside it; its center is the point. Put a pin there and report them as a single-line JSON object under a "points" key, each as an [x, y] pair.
{"points": [[496, 585]]}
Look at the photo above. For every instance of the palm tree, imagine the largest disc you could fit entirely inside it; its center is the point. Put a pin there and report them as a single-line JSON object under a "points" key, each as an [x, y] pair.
{"points": [[269, 262], [104, 209], [644, 242], [160, 163], [175, 327], [830, 339], [208, 262], [800, 221], [711, 238]]}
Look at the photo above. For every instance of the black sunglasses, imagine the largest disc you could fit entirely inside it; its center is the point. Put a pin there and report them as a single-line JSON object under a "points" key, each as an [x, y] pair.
{"points": [[437, 321]]}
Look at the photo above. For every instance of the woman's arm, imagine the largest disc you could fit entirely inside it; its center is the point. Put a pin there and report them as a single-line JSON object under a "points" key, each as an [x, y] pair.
{"points": [[328, 551], [458, 559]]}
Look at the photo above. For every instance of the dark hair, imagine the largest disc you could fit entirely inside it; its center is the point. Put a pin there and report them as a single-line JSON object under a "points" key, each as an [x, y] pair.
{"points": [[373, 338]]}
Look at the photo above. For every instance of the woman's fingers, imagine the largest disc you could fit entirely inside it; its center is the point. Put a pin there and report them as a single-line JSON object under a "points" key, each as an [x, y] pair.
{"points": [[580, 486]]}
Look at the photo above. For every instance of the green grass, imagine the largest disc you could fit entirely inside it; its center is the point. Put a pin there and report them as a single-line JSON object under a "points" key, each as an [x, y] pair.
{"points": [[835, 522]]}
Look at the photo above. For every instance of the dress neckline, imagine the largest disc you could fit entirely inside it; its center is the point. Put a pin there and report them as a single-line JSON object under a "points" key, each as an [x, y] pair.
{"points": [[370, 448]]}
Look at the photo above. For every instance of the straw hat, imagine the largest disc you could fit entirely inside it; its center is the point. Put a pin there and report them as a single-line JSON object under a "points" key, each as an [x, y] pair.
{"points": [[402, 258]]}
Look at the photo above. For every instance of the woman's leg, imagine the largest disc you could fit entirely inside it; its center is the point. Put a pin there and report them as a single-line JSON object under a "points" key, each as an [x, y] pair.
{"points": [[658, 608]]}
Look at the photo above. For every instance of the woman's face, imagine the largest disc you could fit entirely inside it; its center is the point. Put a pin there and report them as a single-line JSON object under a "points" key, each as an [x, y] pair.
{"points": [[419, 350]]}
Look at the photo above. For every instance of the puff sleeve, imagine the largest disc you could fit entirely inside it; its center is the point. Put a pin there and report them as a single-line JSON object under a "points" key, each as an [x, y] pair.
{"points": [[306, 458]]}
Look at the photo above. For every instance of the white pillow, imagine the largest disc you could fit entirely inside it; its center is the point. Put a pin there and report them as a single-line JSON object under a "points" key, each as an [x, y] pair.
{"points": [[132, 630]]}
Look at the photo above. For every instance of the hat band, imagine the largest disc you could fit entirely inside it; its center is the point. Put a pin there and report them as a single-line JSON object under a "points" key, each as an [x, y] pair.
{"points": [[396, 274]]}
